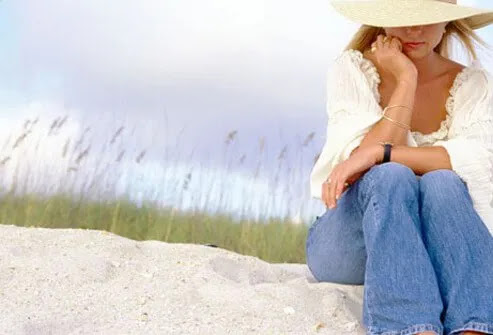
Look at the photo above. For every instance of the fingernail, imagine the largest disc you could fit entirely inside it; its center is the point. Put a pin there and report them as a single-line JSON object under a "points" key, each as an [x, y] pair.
{"points": [[337, 197]]}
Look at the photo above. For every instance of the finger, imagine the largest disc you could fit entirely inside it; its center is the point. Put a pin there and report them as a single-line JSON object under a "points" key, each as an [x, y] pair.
{"points": [[332, 192], [325, 193], [351, 180], [379, 41], [386, 41], [339, 189], [399, 43], [373, 47], [395, 43]]}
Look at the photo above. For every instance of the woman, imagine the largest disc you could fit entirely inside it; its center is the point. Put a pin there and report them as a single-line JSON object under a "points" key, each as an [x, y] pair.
{"points": [[409, 187]]}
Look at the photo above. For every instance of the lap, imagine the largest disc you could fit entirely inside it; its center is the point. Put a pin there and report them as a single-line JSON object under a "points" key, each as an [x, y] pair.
{"points": [[335, 247]]}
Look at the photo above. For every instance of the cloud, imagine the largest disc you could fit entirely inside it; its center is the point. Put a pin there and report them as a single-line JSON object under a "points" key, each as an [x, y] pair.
{"points": [[116, 49]]}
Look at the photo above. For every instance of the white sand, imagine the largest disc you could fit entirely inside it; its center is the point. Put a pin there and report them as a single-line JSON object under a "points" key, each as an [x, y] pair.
{"points": [[76, 281]]}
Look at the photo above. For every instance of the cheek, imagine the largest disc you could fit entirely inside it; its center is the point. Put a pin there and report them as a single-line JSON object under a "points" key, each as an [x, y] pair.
{"points": [[435, 34], [435, 38], [395, 33]]}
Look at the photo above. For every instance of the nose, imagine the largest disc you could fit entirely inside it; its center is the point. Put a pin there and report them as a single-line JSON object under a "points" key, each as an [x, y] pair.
{"points": [[412, 29], [414, 32]]}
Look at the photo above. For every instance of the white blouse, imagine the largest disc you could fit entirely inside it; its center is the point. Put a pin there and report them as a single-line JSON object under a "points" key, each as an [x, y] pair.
{"points": [[353, 107]]}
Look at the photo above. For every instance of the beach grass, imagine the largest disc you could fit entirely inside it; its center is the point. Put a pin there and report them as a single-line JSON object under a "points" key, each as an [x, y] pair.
{"points": [[273, 240]]}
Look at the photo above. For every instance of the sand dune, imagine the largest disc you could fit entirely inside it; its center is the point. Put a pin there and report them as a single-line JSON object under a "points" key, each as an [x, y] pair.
{"points": [[76, 281]]}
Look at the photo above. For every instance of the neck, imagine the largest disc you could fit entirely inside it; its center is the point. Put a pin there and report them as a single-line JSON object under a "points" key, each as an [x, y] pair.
{"points": [[427, 66]]}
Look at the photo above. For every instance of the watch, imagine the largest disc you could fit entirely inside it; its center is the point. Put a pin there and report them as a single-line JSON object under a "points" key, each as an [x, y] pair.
{"points": [[386, 152]]}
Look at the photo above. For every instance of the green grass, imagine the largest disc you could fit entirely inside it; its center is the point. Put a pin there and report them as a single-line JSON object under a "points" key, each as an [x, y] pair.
{"points": [[273, 241]]}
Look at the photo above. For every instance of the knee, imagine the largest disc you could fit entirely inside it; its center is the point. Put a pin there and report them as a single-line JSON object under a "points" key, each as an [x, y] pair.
{"points": [[439, 184], [392, 173], [333, 261], [329, 269]]}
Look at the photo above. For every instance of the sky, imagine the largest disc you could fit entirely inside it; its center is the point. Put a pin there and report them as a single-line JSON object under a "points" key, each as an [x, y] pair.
{"points": [[179, 76]]}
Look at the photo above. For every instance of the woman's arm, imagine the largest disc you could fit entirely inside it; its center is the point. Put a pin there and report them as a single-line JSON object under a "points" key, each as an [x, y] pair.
{"points": [[387, 131], [420, 159]]}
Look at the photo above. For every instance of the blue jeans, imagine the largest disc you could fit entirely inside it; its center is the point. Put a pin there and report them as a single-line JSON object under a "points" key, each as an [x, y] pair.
{"points": [[417, 245]]}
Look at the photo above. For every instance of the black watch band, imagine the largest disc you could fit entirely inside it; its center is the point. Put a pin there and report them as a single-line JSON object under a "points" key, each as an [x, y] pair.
{"points": [[386, 153]]}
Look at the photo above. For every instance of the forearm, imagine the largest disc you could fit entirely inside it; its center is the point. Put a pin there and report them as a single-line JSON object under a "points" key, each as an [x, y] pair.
{"points": [[387, 131], [420, 159]]}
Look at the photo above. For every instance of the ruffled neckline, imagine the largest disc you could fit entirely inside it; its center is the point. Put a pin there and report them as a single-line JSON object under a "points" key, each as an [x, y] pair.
{"points": [[373, 77]]}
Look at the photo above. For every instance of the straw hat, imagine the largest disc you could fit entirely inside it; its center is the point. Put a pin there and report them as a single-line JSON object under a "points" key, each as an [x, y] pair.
{"points": [[398, 13]]}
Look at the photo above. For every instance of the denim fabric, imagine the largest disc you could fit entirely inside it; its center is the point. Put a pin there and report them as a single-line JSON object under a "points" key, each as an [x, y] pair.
{"points": [[417, 245]]}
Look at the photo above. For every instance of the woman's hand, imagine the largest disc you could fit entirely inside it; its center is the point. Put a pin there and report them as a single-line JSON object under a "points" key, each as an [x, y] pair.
{"points": [[387, 53], [349, 171]]}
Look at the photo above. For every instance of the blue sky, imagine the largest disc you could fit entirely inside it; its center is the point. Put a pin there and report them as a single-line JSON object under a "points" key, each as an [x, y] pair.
{"points": [[179, 75]]}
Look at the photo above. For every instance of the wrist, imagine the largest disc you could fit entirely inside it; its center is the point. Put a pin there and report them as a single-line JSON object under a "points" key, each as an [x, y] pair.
{"points": [[378, 153], [408, 79]]}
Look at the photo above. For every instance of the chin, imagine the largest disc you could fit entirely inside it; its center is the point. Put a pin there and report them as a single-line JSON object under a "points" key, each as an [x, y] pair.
{"points": [[416, 54]]}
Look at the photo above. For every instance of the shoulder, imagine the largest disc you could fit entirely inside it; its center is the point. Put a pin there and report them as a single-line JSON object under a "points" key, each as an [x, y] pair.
{"points": [[471, 95], [355, 63], [473, 81], [353, 56], [473, 74]]}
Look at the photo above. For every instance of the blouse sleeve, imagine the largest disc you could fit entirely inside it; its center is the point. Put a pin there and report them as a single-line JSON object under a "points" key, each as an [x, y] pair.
{"points": [[470, 140], [352, 109]]}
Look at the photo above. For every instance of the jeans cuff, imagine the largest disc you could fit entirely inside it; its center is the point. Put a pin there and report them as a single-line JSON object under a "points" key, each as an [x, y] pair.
{"points": [[414, 329], [474, 326]]}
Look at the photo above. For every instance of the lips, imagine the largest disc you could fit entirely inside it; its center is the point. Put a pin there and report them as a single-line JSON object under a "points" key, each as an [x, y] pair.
{"points": [[412, 45]]}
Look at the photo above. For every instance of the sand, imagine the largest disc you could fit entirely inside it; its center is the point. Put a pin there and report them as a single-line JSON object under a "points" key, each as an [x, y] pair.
{"points": [[77, 281]]}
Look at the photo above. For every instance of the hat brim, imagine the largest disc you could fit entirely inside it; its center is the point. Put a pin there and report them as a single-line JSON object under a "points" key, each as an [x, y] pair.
{"points": [[382, 13]]}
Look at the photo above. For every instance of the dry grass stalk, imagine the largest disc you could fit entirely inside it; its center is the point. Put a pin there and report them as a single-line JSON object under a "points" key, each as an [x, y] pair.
{"points": [[309, 138], [65, 147], [81, 139], [20, 139], [230, 137], [120, 156], [117, 133], [82, 155], [282, 153], [140, 156], [261, 144], [62, 121], [53, 125], [188, 177]]}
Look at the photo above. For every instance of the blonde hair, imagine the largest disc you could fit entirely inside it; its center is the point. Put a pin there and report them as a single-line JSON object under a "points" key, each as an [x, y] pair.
{"points": [[365, 36]]}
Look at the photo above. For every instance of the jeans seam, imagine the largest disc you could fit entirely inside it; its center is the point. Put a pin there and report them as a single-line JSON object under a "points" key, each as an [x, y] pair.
{"points": [[412, 329], [367, 290], [474, 325]]}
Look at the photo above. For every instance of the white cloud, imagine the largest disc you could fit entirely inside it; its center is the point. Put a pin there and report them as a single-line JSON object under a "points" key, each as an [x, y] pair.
{"points": [[253, 45]]}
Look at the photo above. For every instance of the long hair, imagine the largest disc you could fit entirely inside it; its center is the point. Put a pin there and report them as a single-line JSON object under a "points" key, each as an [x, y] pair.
{"points": [[365, 35]]}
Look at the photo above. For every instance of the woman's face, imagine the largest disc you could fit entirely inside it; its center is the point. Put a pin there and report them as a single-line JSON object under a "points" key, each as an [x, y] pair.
{"points": [[430, 35]]}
